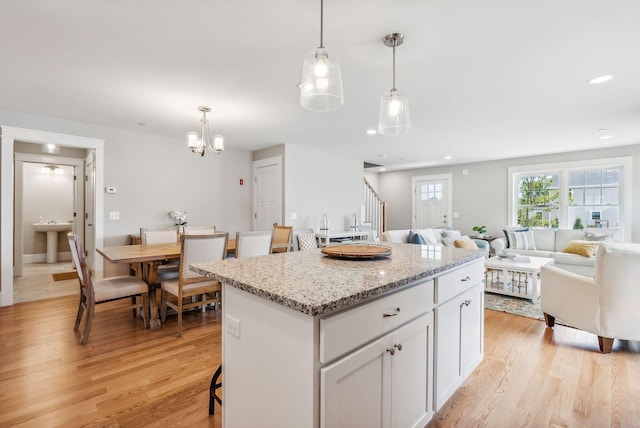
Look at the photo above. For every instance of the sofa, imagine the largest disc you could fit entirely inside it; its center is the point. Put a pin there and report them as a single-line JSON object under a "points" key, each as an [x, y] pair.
{"points": [[442, 237], [553, 243]]}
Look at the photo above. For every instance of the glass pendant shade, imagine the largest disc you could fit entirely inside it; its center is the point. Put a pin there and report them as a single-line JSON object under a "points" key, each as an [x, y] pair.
{"points": [[218, 144], [394, 118], [321, 83], [192, 141]]}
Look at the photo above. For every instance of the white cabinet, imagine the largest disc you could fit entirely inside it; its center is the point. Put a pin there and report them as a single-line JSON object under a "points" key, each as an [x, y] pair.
{"points": [[387, 383], [459, 340]]}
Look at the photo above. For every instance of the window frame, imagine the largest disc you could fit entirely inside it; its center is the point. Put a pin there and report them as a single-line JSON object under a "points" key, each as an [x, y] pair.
{"points": [[563, 168]]}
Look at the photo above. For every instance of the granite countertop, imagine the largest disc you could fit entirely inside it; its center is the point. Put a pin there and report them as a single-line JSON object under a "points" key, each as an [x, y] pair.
{"points": [[314, 284]]}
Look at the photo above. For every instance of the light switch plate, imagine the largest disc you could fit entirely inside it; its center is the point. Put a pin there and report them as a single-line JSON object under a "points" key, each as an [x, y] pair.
{"points": [[114, 215]]}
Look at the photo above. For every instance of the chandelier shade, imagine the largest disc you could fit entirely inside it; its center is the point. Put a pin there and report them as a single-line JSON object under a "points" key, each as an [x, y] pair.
{"points": [[394, 117], [199, 143], [321, 82]]}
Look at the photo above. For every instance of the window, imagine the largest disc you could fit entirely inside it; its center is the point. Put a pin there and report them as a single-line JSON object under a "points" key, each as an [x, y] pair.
{"points": [[431, 191], [578, 195]]}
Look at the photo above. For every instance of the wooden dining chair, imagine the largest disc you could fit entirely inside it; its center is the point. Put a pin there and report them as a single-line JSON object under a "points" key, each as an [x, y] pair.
{"points": [[195, 249], [199, 230], [281, 241], [252, 244], [104, 290], [162, 235]]}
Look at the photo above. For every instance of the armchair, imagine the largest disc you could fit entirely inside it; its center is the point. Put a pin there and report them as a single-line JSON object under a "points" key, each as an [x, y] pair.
{"points": [[605, 305]]}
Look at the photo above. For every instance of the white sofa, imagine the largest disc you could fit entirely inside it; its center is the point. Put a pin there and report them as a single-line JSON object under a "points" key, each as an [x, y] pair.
{"points": [[550, 243], [605, 305], [431, 236]]}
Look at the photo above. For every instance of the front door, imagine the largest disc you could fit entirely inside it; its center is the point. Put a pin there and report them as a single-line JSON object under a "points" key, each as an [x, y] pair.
{"points": [[267, 200], [431, 203]]}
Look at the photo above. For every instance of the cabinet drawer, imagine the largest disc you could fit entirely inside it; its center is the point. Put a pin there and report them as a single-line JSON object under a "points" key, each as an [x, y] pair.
{"points": [[352, 328], [453, 283]]}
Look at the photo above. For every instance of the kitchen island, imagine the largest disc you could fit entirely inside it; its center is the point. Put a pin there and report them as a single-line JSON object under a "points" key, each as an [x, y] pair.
{"points": [[312, 341]]}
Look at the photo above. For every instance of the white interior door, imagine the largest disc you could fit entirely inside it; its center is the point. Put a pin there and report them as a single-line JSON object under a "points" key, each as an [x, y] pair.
{"points": [[89, 207], [267, 193], [432, 202]]}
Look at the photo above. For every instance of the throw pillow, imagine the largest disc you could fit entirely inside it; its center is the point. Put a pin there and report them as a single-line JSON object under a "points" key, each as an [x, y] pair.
{"points": [[307, 241], [465, 243], [521, 240], [590, 236], [416, 238], [513, 229], [451, 240], [451, 233], [582, 248]]}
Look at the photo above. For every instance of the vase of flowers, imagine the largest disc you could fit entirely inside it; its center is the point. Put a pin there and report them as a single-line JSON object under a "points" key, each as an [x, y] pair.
{"points": [[179, 217]]}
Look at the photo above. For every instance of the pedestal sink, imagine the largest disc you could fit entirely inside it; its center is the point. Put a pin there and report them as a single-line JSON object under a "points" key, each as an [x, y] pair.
{"points": [[52, 230]]}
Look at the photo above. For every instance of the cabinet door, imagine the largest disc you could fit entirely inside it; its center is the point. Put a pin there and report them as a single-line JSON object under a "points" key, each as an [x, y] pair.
{"points": [[472, 330], [447, 358], [355, 390], [412, 374], [459, 341]]}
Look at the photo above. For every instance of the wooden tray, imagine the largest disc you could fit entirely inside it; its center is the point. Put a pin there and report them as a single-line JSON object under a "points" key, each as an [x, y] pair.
{"points": [[357, 252]]}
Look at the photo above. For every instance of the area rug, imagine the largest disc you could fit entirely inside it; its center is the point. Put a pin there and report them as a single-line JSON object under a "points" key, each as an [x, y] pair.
{"points": [[62, 276], [515, 306]]}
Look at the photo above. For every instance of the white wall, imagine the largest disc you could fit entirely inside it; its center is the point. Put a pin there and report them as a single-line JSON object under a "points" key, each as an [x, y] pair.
{"points": [[481, 196], [318, 183], [154, 175]]}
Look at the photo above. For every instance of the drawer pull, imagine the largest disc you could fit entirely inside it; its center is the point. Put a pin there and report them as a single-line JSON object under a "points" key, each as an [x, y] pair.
{"points": [[466, 303], [466, 279], [391, 351], [399, 346], [385, 315]]}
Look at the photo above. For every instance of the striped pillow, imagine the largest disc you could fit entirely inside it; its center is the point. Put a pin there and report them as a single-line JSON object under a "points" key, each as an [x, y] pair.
{"points": [[521, 240]]}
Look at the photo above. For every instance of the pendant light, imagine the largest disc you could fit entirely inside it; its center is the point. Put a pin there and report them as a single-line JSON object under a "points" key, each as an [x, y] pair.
{"points": [[394, 118], [199, 143], [321, 83]]}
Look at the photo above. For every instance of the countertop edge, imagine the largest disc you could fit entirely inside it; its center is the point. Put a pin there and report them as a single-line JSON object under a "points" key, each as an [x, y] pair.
{"points": [[322, 309]]}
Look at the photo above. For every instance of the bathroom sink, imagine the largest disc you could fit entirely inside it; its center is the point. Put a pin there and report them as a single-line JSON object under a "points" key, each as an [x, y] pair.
{"points": [[52, 227], [52, 230]]}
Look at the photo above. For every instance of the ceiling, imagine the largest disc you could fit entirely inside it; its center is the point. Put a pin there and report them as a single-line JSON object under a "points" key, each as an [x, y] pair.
{"points": [[486, 80]]}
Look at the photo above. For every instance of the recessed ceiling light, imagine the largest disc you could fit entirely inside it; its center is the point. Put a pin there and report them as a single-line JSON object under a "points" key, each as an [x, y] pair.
{"points": [[600, 79], [602, 129], [605, 137], [371, 132], [448, 157], [383, 169]]}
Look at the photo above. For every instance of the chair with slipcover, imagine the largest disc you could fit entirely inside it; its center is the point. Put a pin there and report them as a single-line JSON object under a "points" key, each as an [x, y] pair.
{"points": [[605, 305], [252, 244]]}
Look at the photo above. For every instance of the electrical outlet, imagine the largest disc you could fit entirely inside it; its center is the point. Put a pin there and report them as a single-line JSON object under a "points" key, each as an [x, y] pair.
{"points": [[232, 325]]}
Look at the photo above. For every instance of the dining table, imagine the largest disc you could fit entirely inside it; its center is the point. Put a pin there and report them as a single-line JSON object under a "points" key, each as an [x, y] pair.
{"points": [[148, 258]]}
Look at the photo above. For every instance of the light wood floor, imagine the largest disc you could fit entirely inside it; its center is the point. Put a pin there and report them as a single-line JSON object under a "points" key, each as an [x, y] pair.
{"points": [[128, 376]]}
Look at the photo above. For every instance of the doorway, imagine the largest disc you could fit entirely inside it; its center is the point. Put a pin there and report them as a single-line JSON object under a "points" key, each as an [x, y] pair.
{"points": [[267, 193], [8, 136], [432, 201], [47, 190]]}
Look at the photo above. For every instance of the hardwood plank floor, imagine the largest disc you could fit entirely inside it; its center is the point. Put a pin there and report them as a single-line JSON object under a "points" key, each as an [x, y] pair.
{"points": [[129, 376], [532, 376]]}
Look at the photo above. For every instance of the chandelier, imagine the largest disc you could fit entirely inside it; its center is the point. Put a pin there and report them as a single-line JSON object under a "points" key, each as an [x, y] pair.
{"points": [[199, 143]]}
